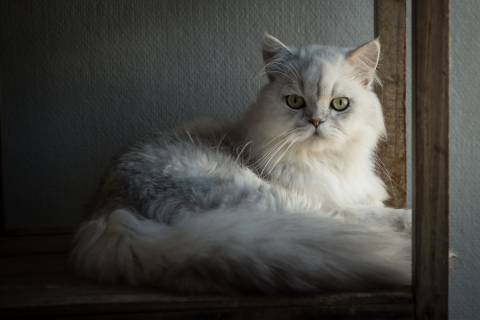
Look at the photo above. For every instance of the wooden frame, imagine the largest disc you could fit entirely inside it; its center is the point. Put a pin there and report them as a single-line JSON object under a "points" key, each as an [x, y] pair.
{"points": [[430, 288], [390, 27], [431, 44]]}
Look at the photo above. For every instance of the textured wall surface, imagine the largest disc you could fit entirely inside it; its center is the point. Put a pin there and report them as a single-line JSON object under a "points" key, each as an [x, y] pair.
{"points": [[82, 80], [464, 159]]}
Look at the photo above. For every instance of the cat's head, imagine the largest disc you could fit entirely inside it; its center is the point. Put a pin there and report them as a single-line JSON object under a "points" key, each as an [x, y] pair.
{"points": [[318, 99]]}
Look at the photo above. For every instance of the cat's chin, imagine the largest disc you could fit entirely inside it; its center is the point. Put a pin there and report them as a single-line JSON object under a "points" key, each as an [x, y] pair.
{"points": [[318, 141]]}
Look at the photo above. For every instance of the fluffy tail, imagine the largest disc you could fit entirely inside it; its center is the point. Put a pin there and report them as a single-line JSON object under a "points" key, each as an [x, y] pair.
{"points": [[242, 251]]}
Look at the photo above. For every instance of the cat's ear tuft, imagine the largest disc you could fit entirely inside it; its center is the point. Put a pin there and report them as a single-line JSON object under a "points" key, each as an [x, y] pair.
{"points": [[365, 61], [272, 47]]}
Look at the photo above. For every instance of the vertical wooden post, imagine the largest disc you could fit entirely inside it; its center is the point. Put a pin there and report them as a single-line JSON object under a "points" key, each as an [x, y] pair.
{"points": [[430, 122], [390, 26]]}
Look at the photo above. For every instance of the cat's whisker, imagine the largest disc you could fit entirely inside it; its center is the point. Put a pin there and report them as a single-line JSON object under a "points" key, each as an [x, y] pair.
{"points": [[278, 149], [242, 150], [189, 135], [281, 156], [266, 155], [270, 145], [279, 136], [274, 141], [275, 151], [381, 165], [222, 138]]}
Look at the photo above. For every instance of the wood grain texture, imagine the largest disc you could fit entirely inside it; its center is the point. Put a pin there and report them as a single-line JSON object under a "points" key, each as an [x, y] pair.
{"points": [[431, 197], [60, 295], [390, 26]]}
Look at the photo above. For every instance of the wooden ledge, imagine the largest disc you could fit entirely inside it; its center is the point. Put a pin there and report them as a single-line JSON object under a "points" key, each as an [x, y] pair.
{"points": [[36, 282], [60, 295]]}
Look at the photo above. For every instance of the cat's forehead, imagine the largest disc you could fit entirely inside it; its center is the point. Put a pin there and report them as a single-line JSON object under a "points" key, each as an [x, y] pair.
{"points": [[317, 66], [318, 52], [315, 59]]}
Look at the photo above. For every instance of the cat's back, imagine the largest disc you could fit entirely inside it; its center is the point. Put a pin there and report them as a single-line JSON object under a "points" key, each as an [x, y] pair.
{"points": [[171, 174]]}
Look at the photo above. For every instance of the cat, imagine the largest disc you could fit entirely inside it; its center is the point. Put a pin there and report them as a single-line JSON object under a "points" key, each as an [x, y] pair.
{"points": [[285, 200]]}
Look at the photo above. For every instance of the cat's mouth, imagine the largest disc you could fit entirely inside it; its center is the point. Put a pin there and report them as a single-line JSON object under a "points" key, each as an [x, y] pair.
{"points": [[317, 133], [310, 133]]}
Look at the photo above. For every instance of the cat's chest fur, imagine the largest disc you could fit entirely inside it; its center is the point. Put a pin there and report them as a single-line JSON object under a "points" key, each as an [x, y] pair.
{"points": [[330, 185]]}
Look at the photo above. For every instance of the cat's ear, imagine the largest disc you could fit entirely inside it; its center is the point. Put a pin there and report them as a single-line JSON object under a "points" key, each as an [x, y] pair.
{"points": [[272, 47], [365, 61]]}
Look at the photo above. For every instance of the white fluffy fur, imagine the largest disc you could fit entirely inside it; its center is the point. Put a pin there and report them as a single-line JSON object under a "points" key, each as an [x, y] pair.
{"points": [[293, 210]]}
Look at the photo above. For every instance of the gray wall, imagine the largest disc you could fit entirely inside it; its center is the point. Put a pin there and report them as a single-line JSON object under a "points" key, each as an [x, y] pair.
{"points": [[464, 159], [82, 80]]}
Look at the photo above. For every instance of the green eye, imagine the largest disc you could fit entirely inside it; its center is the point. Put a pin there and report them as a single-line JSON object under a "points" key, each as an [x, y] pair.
{"points": [[340, 104], [295, 102]]}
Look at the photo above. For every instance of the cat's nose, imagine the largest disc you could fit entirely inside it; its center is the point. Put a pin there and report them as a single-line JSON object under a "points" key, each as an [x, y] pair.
{"points": [[316, 122]]}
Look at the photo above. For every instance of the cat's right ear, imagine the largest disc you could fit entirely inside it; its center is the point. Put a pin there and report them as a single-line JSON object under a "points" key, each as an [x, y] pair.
{"points": [[272, 48]]}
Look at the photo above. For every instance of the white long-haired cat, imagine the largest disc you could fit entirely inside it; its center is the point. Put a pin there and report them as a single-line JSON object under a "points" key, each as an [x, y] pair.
{"points": [[284, 200]]}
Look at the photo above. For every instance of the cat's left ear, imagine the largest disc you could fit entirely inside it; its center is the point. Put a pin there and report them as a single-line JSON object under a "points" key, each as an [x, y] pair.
{"points": [[365, 61]]}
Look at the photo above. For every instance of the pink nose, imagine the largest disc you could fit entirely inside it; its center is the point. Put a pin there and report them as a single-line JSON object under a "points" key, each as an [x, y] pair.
{"points": [[316, 122]]}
